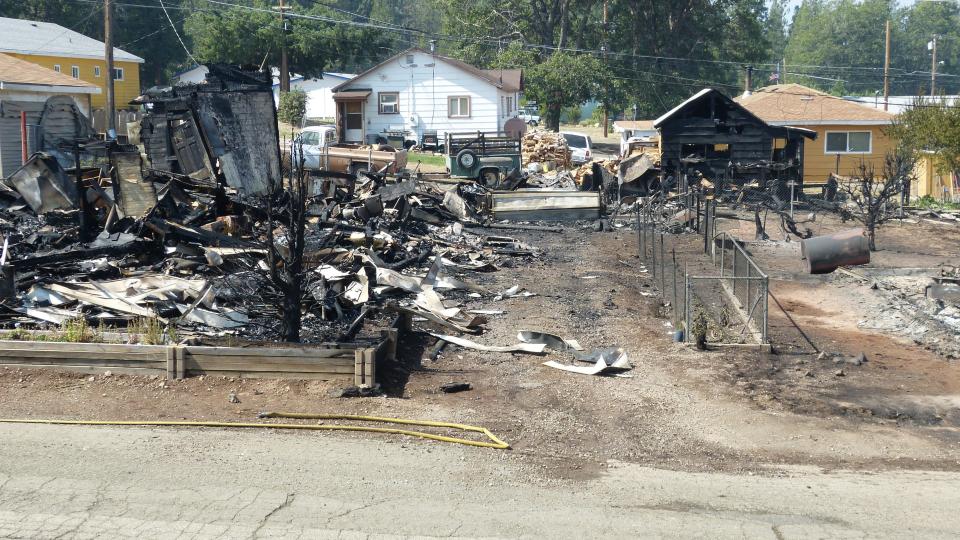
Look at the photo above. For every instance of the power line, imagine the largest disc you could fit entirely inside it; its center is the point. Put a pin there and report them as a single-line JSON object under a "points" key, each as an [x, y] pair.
{"points": [[180, 39]]}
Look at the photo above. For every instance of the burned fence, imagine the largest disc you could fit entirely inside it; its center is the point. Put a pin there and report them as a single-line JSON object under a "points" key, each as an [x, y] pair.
{"points": [[725, 308]]}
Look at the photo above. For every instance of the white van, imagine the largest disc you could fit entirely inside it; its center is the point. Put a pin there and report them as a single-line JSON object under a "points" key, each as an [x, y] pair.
{"points": [[580, 146]]}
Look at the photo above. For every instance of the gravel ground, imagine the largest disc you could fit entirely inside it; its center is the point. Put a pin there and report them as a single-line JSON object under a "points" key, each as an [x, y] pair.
{"points": [[729, 410]]}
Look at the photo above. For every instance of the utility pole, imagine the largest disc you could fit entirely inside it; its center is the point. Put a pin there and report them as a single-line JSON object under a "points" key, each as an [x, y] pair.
{"points": [[748, 83], [284, 68], [108, 54], [603, 51], [933, 67], [886, 70]]}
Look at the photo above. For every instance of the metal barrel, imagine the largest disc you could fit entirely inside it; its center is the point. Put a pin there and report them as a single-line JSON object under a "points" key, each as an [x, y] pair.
{"points": [[824, 254]]}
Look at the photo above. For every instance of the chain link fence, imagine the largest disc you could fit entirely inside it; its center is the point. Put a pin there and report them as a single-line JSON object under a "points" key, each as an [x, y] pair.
{"points": [[718, 294]]}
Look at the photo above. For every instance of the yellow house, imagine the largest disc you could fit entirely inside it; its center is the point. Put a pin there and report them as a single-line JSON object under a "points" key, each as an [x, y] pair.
{"points": [[930, 180], [848, 133], [73, 54]]}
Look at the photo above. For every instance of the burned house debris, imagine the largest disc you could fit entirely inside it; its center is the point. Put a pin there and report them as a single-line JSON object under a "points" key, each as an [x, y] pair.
{"points": [[198, 225], [715, 137], [219, 131]]}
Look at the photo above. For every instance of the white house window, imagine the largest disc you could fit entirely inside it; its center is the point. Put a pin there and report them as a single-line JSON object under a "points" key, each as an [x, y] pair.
{"points": [[75, 72], [96, 71], [118, 74], [848, 142], [389, 102], [509, 105], [56, 67], [458, 106]]}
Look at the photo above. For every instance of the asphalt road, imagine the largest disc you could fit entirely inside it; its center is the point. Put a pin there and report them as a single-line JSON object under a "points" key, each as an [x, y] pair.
{"points": [[109, 482]]}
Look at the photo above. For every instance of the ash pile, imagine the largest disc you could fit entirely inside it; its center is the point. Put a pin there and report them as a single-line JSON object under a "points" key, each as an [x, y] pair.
{"points": [[196, 224]]}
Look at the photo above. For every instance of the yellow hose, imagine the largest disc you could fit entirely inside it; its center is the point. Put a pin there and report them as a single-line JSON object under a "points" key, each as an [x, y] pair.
{"points": [[497, 443]]}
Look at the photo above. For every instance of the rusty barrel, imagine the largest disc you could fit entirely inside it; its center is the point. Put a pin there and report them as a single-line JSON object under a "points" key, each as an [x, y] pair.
{"points": [[824, 254]]}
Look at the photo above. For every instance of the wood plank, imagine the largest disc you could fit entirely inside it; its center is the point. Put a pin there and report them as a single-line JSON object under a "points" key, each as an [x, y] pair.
{"points": [[100, 364], [71, 347], [283, 375], [144, 372], [210, 367], [296, 352], [171, 363], [181, 363], [197, 359], [159, 356]]}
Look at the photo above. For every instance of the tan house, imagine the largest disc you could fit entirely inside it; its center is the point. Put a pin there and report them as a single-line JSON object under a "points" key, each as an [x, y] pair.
{"points": [[848, 133]]}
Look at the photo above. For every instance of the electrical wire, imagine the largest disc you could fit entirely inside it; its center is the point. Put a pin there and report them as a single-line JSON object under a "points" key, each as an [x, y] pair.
{"points": [[180, 39]]}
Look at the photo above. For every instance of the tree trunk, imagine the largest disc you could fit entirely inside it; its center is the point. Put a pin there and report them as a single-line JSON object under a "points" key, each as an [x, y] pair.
{"points": [[290, 327], [872, 236], [553, 117]]}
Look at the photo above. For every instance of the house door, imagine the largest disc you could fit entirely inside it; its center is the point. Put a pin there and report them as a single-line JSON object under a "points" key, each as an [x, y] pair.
{"points": [[354, 121]]}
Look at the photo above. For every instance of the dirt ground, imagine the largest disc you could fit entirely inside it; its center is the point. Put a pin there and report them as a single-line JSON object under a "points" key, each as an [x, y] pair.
{"points": [[729, 410]]}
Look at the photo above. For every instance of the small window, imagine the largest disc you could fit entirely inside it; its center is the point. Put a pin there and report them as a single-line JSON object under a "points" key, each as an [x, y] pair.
{"points": [[389, 102], [56, 67], [458, 106], [118, 74], [409, 59], [509, 105], [75, 72], [96, 71], [848, 142]]}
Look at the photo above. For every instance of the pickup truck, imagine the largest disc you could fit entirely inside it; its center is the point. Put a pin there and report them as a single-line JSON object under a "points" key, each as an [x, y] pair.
{"points": [[530, 115], [321, 150]]}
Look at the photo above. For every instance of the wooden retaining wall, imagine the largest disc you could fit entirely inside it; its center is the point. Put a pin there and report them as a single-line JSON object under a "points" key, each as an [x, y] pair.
{"points": [[332, 361]]}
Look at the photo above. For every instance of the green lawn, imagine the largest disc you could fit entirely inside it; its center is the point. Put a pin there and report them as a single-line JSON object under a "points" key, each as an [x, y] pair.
{"points": [[427, 160]]}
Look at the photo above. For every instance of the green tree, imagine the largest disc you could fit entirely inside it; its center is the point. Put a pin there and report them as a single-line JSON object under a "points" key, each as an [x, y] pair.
{"points": [[560, 81], [931, 125], [292, 107], [775, 28]]}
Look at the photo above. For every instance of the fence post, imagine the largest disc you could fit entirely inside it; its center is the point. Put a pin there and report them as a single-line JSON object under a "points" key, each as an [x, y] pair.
{"points": [[766, 307], [653, 251], [639, 233], [676, 313], [686, 305], [723, 251], [663, 279]]}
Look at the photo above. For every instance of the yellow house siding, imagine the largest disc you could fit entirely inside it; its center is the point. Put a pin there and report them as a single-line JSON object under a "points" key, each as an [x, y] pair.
{"points": [[817, 164], [929, 180], [124, 90]]}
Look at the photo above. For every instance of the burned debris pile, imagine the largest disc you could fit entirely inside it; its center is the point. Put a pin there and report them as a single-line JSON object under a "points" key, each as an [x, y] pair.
{"points": [[197, 225]]}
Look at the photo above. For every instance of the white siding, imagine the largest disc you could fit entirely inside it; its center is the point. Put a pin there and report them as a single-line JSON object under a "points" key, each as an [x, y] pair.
{"points": [[192, 76], [319, 96], [424, 89]]}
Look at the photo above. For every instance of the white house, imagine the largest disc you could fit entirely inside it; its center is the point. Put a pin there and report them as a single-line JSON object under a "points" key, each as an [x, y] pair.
{"points": [[319, 92], [417, 92], [194, 75]]}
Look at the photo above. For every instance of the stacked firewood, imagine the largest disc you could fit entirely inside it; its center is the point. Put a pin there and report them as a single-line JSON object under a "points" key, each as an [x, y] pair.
{"points": [[545, 146]]}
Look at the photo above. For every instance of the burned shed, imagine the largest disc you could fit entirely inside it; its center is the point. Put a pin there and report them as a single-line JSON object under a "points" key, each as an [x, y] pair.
{"points": [[215, 132], [714, 136]]}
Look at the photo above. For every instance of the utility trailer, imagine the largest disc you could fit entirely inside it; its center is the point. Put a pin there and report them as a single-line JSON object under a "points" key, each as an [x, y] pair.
{"points": [[489, 158]]}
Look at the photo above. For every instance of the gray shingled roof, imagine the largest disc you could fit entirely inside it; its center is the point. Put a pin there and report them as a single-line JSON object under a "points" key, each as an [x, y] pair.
{"points": [[31, 37]]}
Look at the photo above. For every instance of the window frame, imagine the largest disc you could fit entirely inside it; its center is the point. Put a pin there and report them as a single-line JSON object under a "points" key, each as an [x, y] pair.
{"points": [[450, 100], [396, 104], [96, 71], [117, 70], [57, 68], [75, 72], [826, 137]]}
